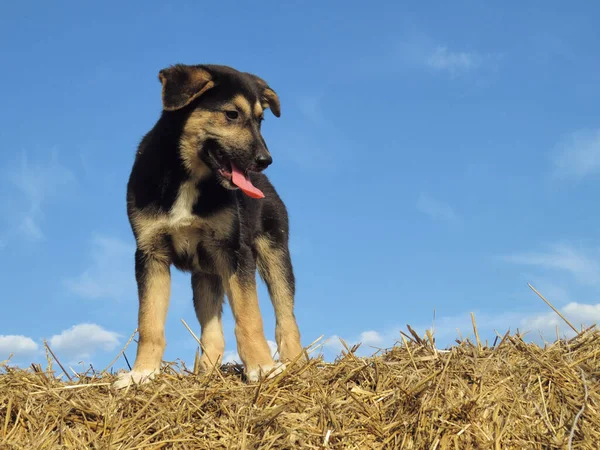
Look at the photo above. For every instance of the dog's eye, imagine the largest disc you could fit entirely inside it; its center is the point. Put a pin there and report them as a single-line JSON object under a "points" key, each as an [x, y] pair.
{"points": [[232, 115]]}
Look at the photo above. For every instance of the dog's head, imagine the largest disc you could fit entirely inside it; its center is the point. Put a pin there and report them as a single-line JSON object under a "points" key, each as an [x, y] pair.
{"points": [[222, 110]]}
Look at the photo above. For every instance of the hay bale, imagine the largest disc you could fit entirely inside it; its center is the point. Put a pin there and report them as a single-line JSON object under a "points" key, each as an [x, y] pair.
{"points": [[512, 395]]}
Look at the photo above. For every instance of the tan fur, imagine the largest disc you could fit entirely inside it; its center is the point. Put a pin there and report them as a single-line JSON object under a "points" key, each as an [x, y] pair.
{"points": [[199, 81], [185, 228], [152, 316], [287, 333], [242, 104], [181, 211], [202, 123], [193, 134], [180, 237], [272, 101], [270, 98], [208, 304], [249, 331], [258, 110]]}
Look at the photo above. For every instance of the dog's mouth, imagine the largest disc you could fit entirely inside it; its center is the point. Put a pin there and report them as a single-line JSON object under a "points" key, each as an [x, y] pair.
{"points": [[234, 177]]}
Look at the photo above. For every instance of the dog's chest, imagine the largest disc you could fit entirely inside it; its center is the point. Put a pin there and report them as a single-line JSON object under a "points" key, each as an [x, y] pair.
{"points": [[181, 213], [189, 232]]}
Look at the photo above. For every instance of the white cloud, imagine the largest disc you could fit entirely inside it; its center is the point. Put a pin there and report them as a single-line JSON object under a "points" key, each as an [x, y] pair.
{"points": [[110, 273], [35, 183], [369, 342], [231, 356], [435, 209], [333, 343], [578, 155], [17, 344], [454, 62], [579, 314], [423, 53], [562, 257], [447, 329], [370, 338], [84, 340]]}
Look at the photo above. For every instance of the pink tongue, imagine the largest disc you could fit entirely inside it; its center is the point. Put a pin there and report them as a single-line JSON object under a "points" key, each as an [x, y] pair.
{"points": [[244, 183]]}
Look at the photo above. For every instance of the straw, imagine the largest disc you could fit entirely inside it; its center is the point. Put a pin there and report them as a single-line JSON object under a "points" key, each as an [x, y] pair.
{"points": [[513, 395]]}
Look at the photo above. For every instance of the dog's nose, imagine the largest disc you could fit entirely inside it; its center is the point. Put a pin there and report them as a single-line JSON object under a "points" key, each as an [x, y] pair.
{"points": [[263, 161]]}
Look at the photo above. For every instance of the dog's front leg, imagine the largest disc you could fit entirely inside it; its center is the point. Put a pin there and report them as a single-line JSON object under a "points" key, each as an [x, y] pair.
{"points": [[153, 278], [249, 331]]}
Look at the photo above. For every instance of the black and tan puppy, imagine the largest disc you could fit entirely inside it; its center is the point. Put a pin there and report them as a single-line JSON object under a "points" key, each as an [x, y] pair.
{"points": [[197, 199]]}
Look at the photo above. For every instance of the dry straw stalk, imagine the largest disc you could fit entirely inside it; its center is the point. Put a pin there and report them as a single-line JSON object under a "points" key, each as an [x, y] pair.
{"points": [[511, 395]]}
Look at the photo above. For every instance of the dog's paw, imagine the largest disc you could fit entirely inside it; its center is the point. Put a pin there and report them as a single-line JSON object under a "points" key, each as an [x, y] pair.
{"points": [[134, 377], [258, 373]]}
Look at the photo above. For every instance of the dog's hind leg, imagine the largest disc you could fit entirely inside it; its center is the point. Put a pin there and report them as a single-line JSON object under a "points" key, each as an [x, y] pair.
{"points": [[153, 277], [275, 268], [208, 303]]}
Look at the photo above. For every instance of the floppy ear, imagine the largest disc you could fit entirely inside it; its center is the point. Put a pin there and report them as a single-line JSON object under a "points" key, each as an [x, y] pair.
{"points": [[269, 97], [182, 84], [272, 100]]}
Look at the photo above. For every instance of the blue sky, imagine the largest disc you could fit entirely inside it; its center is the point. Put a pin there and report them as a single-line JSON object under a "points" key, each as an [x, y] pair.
{"points": [[432, 159]]}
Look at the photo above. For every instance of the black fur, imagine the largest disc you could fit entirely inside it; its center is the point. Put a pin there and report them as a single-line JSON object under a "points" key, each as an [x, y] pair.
{"points": [[190, 205], [158, 172]]}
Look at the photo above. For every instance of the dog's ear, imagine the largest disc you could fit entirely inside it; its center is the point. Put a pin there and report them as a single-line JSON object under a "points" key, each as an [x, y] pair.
{"points": [[272, 100], [182, 84], [269, 96]]}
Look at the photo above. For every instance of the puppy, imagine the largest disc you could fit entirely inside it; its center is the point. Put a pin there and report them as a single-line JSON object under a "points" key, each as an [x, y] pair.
{"points": [[197, 199]]}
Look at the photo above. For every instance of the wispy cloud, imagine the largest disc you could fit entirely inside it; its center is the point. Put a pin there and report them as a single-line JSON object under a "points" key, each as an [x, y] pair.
{"points": [[582, 266], [110, 272], [423, 52], [579, 314], [577, 155], [34, 184], [370, 338], [369, 341], [454, 62], [562, 257], [435, 209], [447, 329], [231, 357], [82, 341], [334, 344], [20, 346]]}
